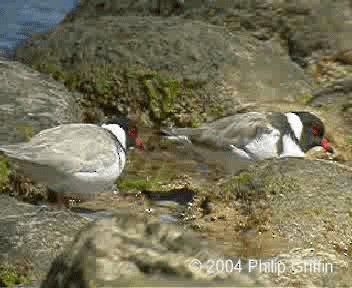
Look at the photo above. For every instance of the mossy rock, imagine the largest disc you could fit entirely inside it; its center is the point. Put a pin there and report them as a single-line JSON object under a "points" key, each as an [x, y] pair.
{"points": [[240, 186], [305, 98], [116, 90], [216, 110], [134, 183], [10, 277], [4, 171], [251, 186], [242, 178], [139, 183], [161, 95], [25, 130]]}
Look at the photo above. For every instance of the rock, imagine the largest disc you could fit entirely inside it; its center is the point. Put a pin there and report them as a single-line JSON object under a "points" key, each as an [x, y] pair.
{"points": [[334, 101], [289, 210], [319, 186], [31, 102], [318, 153], [302, 27], [344, 56], [312, 267], [129, 251], [176, 70], [88, 8], [31, 236]]}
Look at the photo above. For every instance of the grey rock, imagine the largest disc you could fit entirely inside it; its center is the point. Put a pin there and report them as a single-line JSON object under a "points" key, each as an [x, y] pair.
{"points": [[338, 92], [33, 236], [303, 27], [226, 70], [310, 206], [30, 102], [130, 251]]}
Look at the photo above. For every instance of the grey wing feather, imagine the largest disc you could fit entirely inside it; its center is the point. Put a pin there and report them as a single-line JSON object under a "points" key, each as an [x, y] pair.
{"points": [[182, 132], [237, 130], [70, 148]]}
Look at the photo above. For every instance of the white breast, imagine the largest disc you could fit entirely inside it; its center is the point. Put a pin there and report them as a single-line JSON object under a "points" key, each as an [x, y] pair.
{"points": [[109, 173], [265, 146], [290, 148]]}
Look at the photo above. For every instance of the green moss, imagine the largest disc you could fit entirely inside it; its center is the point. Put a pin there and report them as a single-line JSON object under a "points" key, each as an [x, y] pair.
{"points": [[4, 171], [161, 93], [139, 183], [132, 182], [111, 87], [196, 122], [348, 139], [242, 178], [315, 211], [237, 185], [54, 70], [329, 107], [305, 98], [10, 277], [216, 111], [26, 131]]}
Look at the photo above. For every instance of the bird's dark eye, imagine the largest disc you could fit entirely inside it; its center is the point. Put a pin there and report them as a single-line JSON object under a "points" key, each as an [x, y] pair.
{"points": [[132, 132], [316, 130]]}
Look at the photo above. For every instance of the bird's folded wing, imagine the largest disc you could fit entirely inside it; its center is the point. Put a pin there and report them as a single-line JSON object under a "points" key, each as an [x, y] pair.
{"points": [[76, 152], [237, 130]]}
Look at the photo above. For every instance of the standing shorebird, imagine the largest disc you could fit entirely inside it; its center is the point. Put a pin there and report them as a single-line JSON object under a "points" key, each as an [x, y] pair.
{"points": [[78, 159]]}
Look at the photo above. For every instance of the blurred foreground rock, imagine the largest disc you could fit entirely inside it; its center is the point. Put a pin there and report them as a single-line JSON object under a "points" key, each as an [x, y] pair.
{"points": [[32, 236], [129, 251]]}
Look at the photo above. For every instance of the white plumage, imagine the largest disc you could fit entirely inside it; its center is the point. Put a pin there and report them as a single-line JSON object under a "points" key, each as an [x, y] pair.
{"points": [[257, 135], [73, 158]]}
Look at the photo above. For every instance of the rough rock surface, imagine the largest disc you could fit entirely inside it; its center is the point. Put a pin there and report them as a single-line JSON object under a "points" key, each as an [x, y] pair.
{"points": [[32, 236], [202, 61], [303, 206], [303, 27], [165, 67], [129, 251], [30, 102], [311, 207]]}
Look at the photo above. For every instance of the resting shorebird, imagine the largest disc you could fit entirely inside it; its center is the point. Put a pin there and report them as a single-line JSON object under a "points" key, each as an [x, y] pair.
{"points": [[257, 135], [78, 159]]}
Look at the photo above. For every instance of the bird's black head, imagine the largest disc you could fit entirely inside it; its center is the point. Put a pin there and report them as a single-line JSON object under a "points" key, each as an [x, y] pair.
{"points": [[313, 132], [130, 128]]}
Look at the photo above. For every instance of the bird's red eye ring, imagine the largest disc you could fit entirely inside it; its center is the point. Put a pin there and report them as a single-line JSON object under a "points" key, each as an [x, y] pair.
{"points": [[316, 130], [132, 132]]}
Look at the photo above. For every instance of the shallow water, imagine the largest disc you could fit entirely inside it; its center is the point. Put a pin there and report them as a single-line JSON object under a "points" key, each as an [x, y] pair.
{"points": [[21, 18]]}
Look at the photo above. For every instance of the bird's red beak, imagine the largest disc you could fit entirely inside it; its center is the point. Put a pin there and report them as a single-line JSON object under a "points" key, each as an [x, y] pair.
{"points": [[139, 143], [326, 145]]}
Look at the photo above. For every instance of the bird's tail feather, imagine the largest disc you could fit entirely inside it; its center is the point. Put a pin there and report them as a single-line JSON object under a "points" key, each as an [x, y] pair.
{"points": [[180, 132], [182, 135]]}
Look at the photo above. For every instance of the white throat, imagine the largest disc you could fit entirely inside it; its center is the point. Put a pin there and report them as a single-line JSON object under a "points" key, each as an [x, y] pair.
{"points": [[117, 131], [295, 123]]}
